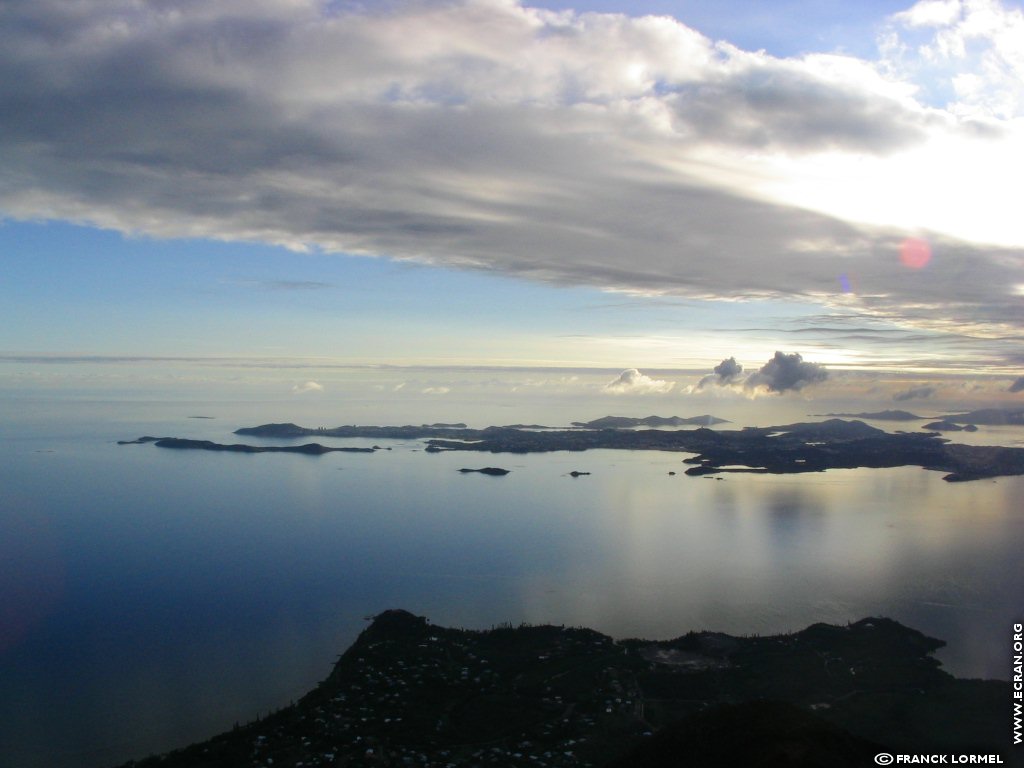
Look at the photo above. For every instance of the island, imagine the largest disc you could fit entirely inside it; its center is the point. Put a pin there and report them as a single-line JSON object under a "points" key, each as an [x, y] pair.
{"points": [[407, 432], [784, 449], [949, 426], [494, 471], [876, 415], [314, 449], [629, 422], [408, 692]]}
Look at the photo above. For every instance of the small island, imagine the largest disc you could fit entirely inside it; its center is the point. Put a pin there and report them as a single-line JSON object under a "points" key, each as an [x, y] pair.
{"points": [[875, 415], [494, 471], [949, 426], [408, 692], [312, 449]]}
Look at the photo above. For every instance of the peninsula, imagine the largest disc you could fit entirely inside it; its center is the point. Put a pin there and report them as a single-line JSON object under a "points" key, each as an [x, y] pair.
{"points": [[411, 693], [785, 449], [990, 416]]}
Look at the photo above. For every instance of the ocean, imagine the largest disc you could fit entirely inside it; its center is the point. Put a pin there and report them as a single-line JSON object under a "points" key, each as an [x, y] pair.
{"points": [[153, 597]]}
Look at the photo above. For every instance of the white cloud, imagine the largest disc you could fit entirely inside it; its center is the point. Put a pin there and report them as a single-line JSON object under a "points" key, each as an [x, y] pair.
{"points": [[436, 390], [972, 53], [632, 382], [931, 13], [631, 154], [307, 387]]}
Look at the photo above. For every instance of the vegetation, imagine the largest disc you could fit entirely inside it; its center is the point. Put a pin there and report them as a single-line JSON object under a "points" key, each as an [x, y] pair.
{"points": [[409, 693]]}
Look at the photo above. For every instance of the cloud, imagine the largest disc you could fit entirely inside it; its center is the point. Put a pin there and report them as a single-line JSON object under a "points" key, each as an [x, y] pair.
{"points": [[930, 13], [1017, 385], [726, 372], [632, 382], [306, 387], [963, 52], [436, 390], [534, 143], [786, 372], [914, 393]]}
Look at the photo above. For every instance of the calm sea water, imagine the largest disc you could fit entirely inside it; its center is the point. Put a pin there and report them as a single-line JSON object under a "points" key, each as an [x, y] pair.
{"points": [[151, 597]]}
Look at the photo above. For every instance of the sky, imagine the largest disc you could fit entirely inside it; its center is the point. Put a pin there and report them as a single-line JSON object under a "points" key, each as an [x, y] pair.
{"points": [[670, 201]]}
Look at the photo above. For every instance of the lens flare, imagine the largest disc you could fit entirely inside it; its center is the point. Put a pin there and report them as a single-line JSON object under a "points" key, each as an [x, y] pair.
{"points": [[915, 253]]}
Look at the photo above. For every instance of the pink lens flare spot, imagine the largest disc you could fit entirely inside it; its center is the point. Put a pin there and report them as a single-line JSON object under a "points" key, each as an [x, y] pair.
{"points": [[915, 253]]}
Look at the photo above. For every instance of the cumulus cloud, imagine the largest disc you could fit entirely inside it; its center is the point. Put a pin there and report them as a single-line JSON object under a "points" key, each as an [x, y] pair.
{"points": [[969, 55], [914, 393], [306, 387], [726, 372], [786, 372], [632, 382], [1017, 385], [541, 144]]}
